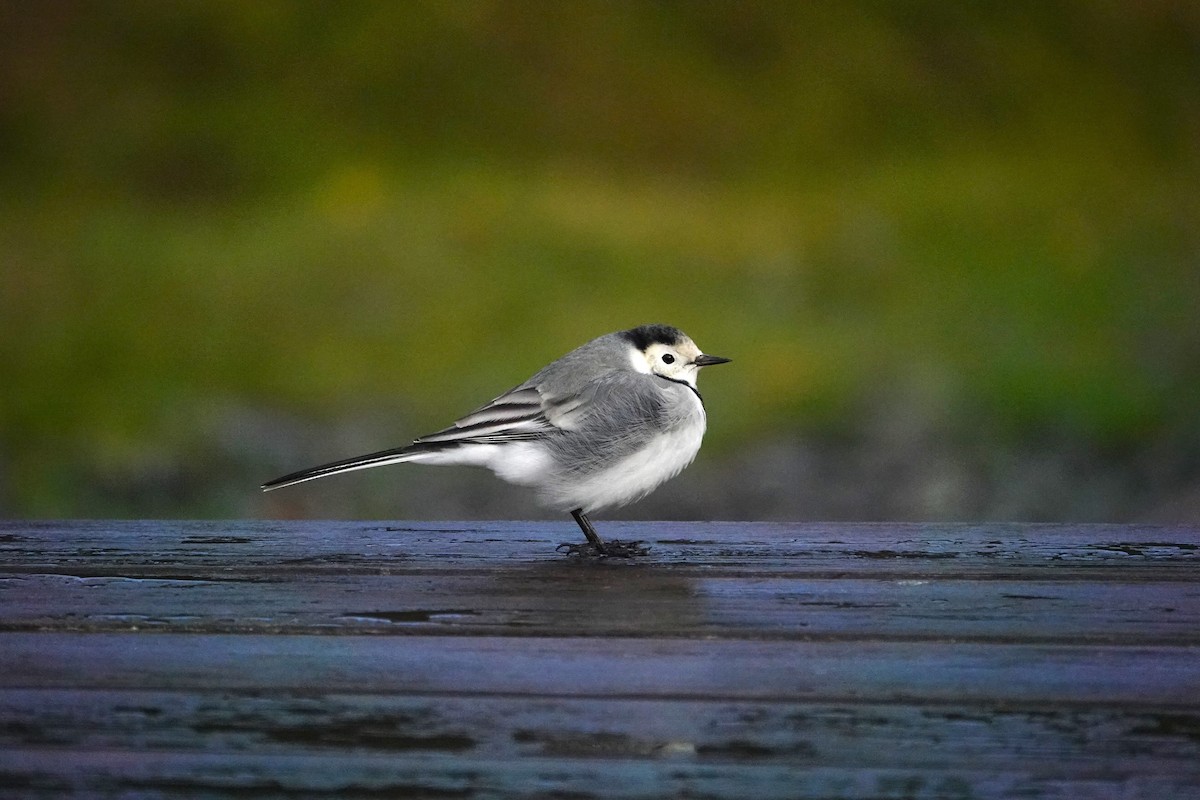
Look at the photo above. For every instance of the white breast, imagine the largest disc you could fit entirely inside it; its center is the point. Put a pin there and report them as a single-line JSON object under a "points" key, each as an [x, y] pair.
{"points": [[636, 475]]}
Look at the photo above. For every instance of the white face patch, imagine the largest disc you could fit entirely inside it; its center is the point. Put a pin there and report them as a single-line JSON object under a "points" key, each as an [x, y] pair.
{"points": [[675, 362], [637, 359]]}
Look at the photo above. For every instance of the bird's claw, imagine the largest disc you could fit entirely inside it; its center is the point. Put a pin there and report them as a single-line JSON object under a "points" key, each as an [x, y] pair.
{"points": [[613, 549]]}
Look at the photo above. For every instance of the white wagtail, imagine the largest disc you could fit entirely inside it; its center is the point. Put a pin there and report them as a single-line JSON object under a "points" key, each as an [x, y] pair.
{"points": [[602, 426]]}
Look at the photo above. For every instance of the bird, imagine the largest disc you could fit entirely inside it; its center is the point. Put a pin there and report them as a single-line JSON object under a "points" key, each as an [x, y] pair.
{"points": [[600, 427]]}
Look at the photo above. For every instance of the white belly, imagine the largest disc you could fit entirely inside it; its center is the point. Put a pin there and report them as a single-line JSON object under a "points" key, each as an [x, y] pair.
{"points": [[634, 476]]}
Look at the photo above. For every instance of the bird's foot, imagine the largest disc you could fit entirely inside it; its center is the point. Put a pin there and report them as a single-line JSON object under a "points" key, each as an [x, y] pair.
{"points": [[612, 549]]}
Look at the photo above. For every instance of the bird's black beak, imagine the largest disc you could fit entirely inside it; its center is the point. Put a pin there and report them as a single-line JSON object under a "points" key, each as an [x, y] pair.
{"points": [[708, 361]]}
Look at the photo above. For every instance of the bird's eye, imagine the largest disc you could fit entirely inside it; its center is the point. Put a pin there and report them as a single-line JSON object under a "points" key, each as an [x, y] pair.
{"points": [[668, 358]]}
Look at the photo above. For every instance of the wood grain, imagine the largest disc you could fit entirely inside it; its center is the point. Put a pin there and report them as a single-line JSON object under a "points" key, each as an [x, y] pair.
{"points": [[279, 659]]}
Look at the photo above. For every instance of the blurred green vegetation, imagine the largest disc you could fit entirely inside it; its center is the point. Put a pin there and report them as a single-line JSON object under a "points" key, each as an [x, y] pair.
{"points": [[321, 210]]}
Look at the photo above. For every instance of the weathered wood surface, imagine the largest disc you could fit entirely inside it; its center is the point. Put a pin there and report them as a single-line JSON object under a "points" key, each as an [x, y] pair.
{"points": [[278, 659]]}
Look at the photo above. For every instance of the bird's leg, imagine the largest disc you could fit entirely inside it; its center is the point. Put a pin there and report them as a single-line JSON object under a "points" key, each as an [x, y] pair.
{"points": [[585, 525], [596, 546]]}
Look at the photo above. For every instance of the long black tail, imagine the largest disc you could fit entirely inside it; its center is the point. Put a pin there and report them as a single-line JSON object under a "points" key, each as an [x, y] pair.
{"points": [[384, 457]]}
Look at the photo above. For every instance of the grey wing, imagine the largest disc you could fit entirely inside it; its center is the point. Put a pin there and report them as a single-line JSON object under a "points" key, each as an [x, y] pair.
{"points": [[517, 415], [611, 418]]}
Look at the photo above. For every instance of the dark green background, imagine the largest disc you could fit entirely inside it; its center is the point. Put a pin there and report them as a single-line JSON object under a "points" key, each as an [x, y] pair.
{"points": [[952, 248]]}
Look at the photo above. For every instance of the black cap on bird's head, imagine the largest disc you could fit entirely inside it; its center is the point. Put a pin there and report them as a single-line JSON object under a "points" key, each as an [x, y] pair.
{"points": [[645, 335]]}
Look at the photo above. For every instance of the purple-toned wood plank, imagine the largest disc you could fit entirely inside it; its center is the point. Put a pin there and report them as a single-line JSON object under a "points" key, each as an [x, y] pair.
{"points": [[561, 599], [609, 666], [275, 659]]}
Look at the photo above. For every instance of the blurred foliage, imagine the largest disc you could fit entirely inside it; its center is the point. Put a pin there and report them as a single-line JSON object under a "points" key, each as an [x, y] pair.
{"points": [[324, 209]]}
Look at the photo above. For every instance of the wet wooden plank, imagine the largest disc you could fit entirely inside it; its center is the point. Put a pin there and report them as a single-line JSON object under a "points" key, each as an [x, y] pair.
{"points": [[985, 583], [711, 731], [607, 666], [259, 549], [556, 599], [275, 743], [274, 659], [280, 740], [360, 775]]}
